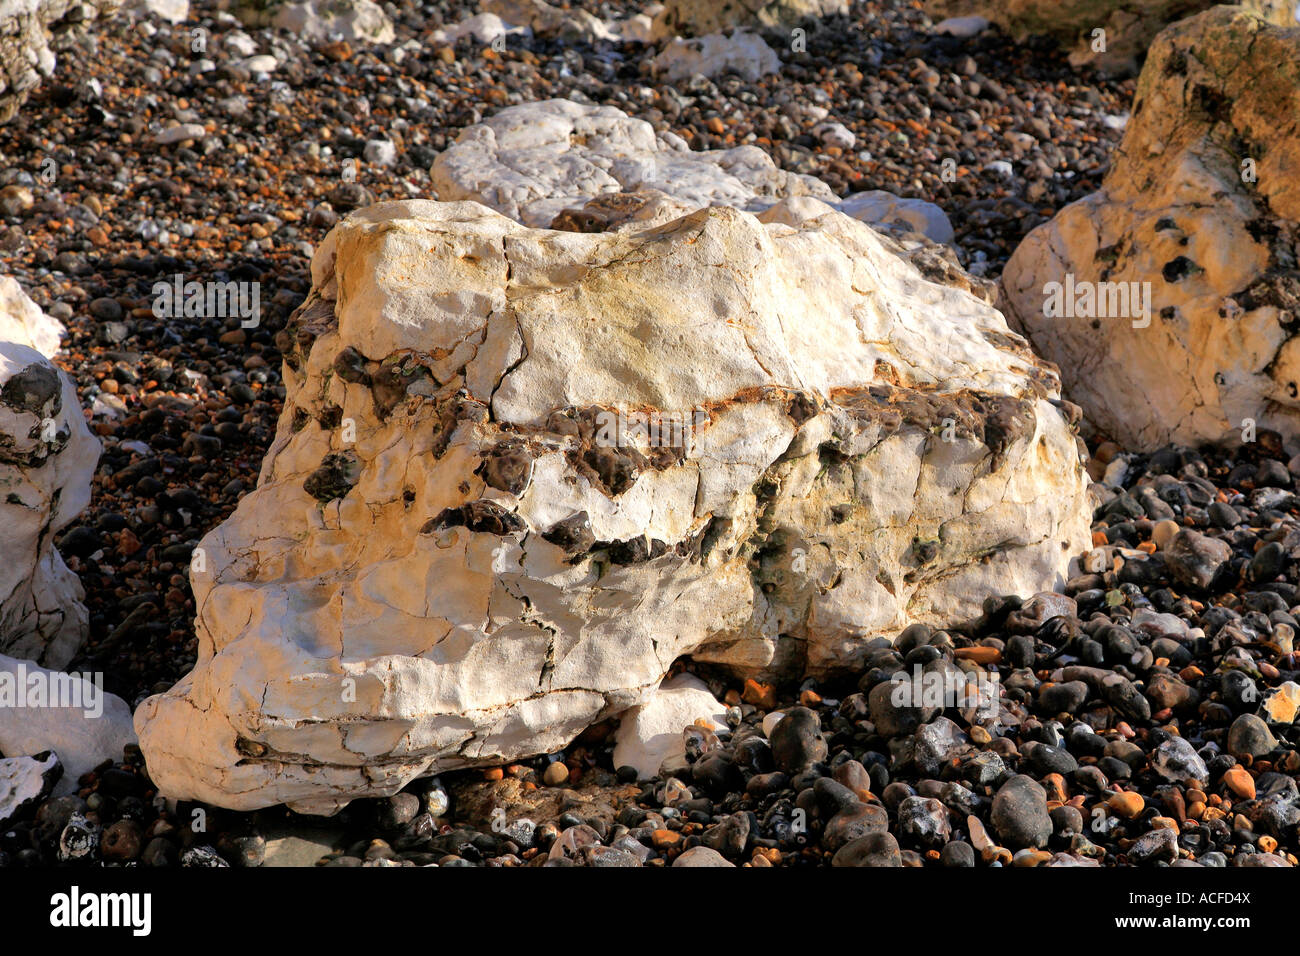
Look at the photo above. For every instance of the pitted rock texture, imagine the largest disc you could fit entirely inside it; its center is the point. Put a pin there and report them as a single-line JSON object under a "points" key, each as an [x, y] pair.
{"points": [[30, 30], [1224, 301], [453, 559], [1130, 25], [47, 459], [700, 17], [531, 162], [537, 161]]}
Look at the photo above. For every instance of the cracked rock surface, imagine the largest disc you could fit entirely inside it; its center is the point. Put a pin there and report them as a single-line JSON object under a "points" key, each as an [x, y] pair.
{"points": [[453, 559], [1224, 288], [47, 458], [538, 162]]}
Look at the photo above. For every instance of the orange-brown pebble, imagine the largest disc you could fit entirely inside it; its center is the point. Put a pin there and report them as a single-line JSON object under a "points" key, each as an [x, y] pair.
{"points": [[979, 654], [810, 698], [493, 773], [663, 839], [1240, 782], [1054, 784], [1127, 804], [1267, 844], [761, 695], [1099, 538]]}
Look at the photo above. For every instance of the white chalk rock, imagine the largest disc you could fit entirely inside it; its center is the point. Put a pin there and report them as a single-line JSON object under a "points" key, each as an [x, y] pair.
{"points": [[47, 460], [357, 21], [456, 555], [1172, 317], [24, 782], [531, 162], [650, 733], [878, 206], [23, 321], [483, 27], [964, 27], [69, 714], [545, 19], [742, 53], [535, 161], [173, 11]]}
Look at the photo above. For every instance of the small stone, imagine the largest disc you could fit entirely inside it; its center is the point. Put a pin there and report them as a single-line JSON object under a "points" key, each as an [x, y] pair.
{"points": [[924, 820], [1195, 558], [1250, 736], [1177, 761], [797, 740], [556, 774], [702, 856], [874, 849], [1282, 703], [1164, 532], [1240, 782], [1158, 845], [1127, 804], [1020, 813], [121, 841], [79, 840]]}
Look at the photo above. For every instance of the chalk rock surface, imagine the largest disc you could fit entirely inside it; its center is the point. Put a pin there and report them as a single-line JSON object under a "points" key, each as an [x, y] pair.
{"points": [[458, 555], [740, 52], [47, 459], [30, 30], [1129, 25], [537, 161], [1203, 203], [173, 11], [357, 21], [24, 782], [532, 162], [69, 714], [651, 733]]}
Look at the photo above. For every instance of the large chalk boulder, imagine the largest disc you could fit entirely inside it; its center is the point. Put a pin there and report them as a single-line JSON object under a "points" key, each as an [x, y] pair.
{"points": [[1202, 205], [47, 460], [520, 472]]}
